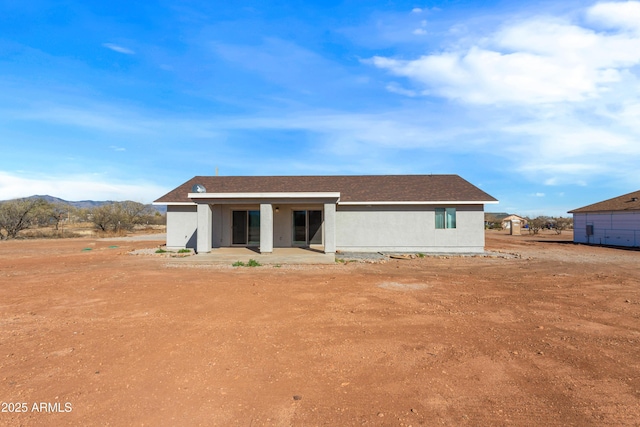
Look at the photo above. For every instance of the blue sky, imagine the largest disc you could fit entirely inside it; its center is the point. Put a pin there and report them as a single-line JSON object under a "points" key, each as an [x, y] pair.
{"points": [[537, 103]]}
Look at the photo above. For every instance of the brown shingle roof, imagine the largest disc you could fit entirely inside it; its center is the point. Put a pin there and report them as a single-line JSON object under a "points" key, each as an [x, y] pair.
{"points": [[367, 188], [626, 202]]}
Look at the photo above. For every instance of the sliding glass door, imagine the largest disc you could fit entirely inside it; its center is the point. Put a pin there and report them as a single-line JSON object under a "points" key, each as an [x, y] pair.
{"points": [[239, 233], [307, 227], [254, 228], [300, 228], [245, 228]]}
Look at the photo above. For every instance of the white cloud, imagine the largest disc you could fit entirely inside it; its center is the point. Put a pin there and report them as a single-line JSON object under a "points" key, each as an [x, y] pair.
{"points": [[87, 116], [419, 32], [107, 118], [115, 148], [616, 15], [559, 97], [77, 187], [349, 132], [536, 61], [567, 139], [416, 10], [571, 149], [396, 88], [117, 48], [481, 76]]}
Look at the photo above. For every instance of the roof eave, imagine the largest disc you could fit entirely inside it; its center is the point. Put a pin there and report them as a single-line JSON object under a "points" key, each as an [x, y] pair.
{"points": [[422, 202], [159, 203], [575, 211]]}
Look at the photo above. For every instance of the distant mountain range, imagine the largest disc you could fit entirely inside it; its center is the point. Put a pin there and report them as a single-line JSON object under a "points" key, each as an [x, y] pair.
{"points": [[83, 204]]}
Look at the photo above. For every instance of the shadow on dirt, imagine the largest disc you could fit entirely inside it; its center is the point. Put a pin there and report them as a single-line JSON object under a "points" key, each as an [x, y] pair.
{"points": [[568, 242]]}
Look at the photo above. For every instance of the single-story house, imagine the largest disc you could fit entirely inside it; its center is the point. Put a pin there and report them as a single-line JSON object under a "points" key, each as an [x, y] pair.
{"points": [[504, 219], [613, 222], [394, 213]]}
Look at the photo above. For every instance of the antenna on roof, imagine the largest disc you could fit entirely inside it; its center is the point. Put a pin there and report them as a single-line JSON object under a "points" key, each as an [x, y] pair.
{"points": [[216, 171]]}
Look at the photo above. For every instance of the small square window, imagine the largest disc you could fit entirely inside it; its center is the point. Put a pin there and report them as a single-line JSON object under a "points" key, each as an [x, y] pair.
{"points": [[445, 218]]}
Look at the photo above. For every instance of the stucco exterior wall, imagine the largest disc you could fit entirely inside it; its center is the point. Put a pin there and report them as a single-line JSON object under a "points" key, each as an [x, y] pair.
{"points": [[282, 227], [609, 228], [409, 228], [182, 223], [216, 226]]}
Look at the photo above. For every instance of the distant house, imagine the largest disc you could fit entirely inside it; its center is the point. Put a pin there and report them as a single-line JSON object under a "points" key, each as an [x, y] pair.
{"points": [[611, 222], [504, 219], [408, 213]]}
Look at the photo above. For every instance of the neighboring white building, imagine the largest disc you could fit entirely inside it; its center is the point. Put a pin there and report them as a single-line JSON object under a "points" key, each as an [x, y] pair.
{"points": [[504, 218], [391, 213], [613, 222]]}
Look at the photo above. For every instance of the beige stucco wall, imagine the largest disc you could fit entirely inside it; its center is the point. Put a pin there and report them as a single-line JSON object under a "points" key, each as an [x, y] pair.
{"points": [[182, 223], [408, 228]]}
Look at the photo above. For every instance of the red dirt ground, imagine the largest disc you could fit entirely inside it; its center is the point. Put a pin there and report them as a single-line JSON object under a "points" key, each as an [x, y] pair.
{"points": [[105, 338]]}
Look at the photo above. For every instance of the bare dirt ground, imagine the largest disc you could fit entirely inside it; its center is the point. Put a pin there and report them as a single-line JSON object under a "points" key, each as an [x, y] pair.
{"points": [[101, 337]]}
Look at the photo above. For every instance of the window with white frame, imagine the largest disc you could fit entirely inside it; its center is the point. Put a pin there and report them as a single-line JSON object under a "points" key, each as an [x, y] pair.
{"points": [[445, 218]]}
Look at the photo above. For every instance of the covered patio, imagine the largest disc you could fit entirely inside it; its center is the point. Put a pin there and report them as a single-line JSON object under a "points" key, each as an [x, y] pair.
{"points": [[266, 221]]}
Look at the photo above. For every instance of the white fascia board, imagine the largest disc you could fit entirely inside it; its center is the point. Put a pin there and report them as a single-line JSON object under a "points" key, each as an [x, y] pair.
{"points": [[173, 204], [288, 195], [448, 202]]}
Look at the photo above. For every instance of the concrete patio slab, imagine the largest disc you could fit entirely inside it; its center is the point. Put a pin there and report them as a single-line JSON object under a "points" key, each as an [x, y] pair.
{"points": [[278, 256]]}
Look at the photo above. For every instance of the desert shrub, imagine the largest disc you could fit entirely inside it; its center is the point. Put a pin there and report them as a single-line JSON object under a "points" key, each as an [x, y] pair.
{"points": [[493, 223], [537, 224], [118, 216], [250, 263], [47, 234], [110, 233], [157, 219], [562, 223], [20, 214]]}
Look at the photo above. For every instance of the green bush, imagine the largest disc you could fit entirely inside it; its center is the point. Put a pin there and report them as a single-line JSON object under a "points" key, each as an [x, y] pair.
{"points": [[250, 263]]}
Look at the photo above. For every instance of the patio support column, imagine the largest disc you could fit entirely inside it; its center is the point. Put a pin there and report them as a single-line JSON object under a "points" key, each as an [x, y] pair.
{"points": [[329, 228], [266, 228], [204, 228]]}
